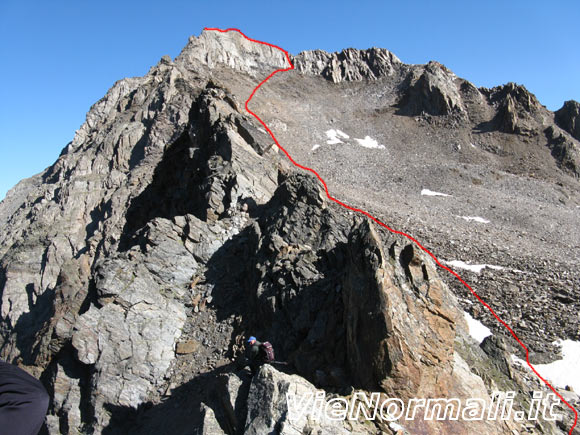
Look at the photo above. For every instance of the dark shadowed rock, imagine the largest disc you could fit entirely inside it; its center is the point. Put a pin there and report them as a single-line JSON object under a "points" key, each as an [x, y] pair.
{"points": [[433, 90], [496, 349], [568, 118], [564, 149]]}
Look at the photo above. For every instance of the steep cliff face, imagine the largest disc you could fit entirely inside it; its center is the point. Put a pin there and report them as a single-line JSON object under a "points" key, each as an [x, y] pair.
{"points": [[171, 227]]}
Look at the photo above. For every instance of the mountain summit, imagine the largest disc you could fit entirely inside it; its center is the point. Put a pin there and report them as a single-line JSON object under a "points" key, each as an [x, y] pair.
{"points": [[231, 49], [172, 227]]}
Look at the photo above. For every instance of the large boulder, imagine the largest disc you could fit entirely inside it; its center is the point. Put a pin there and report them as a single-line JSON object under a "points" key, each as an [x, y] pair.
{"points": [[270, 409]]}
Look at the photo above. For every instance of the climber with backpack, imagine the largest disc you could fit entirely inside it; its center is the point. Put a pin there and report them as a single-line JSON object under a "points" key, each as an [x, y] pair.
{"points": [[258, 353]]}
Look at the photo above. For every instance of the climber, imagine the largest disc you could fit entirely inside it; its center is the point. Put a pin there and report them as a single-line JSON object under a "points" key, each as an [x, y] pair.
{"points": [[23, 401], [258, 353]]}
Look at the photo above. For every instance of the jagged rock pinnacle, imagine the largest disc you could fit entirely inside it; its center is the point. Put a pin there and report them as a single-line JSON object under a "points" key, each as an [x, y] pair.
{"points": [[349, 64]]}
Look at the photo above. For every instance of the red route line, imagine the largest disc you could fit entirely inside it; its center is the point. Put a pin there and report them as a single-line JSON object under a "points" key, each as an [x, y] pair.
{"points": [[374, 218]]}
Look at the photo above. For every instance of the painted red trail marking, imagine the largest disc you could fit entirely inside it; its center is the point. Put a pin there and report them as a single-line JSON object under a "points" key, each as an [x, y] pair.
{"points": [[291, 67]]}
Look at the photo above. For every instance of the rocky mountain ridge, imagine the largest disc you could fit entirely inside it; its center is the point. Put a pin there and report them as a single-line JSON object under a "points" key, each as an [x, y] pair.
{"points": [[171, 227]]}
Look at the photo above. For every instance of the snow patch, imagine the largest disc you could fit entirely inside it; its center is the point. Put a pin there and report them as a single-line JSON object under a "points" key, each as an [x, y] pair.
{"points": [[564, 371], [476, 329], [334, 135], [315, 146], [477, 268], [395, 426], [427, 192], [369, 142], [475, 218]]}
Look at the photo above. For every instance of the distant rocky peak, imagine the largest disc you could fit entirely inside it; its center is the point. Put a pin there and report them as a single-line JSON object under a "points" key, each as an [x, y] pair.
{"points": [[214, 48], [518, 110], [513, 93], [349, 64]]}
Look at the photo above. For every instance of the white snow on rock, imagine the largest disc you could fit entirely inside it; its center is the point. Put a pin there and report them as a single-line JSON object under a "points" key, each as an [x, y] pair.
{"points": [[369, 142], [564, 371], [477, 268], [476, 219], [315, 146], [477, 329], [427, 192], [334, 136], [395, 427]]}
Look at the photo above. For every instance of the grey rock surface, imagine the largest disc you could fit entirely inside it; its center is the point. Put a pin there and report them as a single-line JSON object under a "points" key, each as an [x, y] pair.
{"points": [[268, 409]]}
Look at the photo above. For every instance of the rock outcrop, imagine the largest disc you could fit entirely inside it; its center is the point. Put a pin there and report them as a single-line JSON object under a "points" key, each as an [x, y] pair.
{"points": [[433, 90], [564, 149], [518, 110], [568, 118], [348, 65], [213, 49], [268, 407]]}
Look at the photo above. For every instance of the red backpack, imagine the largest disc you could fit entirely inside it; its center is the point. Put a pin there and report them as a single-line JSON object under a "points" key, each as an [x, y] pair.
{"points": [[268, 350]]}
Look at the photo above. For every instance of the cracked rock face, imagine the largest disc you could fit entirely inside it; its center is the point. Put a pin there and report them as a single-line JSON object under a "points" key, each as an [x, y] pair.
{"points": [[128, 337], [171, 228]]}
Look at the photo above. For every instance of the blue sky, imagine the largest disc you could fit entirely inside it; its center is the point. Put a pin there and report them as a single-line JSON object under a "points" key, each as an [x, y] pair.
{"points": [[58, 58]]}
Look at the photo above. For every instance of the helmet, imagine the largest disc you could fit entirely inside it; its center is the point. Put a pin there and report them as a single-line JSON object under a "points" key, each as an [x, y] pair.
{"points": [[252, 338]]}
